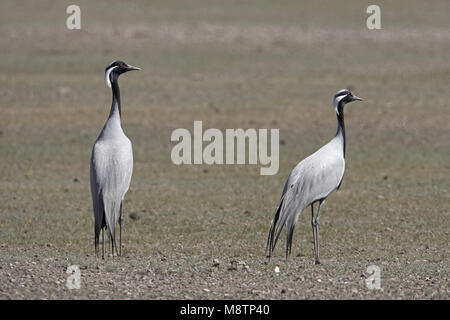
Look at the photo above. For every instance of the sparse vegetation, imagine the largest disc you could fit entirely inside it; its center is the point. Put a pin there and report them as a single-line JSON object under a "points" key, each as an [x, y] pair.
{"points": [[233, 65]]}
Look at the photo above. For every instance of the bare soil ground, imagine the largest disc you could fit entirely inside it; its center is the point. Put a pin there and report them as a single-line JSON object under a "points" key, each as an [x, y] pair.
{"points": [[199, 232]]}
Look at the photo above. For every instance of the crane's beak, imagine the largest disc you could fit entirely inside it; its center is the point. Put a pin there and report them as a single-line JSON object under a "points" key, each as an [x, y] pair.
{"points": [[130, 68], [357, 98]]}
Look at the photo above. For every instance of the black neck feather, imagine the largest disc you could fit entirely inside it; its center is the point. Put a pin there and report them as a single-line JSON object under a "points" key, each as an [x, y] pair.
{"points": [[115, 94], [341, 124]]}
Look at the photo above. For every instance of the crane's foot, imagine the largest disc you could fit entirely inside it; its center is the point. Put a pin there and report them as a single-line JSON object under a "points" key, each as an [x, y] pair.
{"points": [[317, 262]]}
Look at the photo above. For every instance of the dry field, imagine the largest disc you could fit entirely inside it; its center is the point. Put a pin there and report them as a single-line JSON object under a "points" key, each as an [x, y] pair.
{"points": [[199, 232]]}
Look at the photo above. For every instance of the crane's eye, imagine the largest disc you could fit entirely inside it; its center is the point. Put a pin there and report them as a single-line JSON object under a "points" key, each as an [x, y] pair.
{"points": [[121, 65]]}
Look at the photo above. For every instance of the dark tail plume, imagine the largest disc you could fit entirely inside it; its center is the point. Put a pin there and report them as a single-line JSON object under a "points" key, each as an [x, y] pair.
{"points": [[271, 241]]}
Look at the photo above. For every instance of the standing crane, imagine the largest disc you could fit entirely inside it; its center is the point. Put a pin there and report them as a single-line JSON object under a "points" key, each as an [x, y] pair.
{"points": [[111, 165], [312, 181]]}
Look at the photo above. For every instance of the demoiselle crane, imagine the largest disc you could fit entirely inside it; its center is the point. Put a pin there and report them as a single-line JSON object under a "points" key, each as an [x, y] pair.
{"points": [[111, 165], [312, 181]]}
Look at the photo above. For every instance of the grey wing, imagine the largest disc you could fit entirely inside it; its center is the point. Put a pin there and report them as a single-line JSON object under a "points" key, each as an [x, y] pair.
{"points": [[112, 172], [97, 201], [289, 208], [312, 179], [326, 177]]}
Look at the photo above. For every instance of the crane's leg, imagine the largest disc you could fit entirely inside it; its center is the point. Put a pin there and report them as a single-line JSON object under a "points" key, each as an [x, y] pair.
{"points": [[109, 242], [112, 246], [314, 231], [120, 227], [316, 227], [96, 246], [321, 203], [96, 239], [103, 243], [113, 243]]}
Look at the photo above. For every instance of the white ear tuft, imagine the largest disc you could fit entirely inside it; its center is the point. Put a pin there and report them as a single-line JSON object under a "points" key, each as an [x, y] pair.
{"points": [[336, 103], [107, 78]]}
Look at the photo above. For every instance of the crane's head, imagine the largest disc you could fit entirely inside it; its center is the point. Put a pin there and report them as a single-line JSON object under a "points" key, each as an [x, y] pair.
{"points": [[343, 97], [115, 69]]}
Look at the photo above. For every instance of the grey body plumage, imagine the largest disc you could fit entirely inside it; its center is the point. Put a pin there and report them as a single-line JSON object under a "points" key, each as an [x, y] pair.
{"points": [[111, 165], [312, 181]]}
